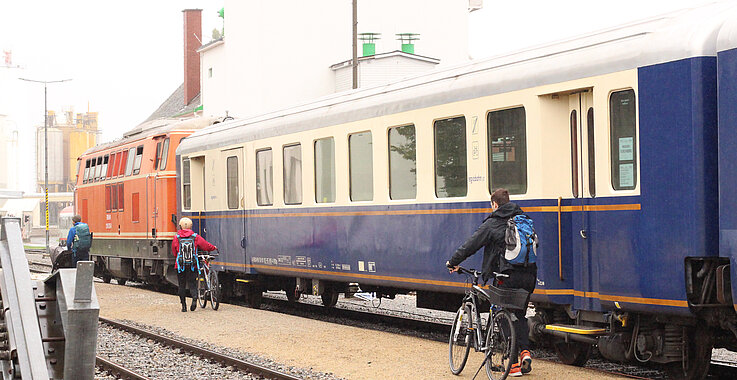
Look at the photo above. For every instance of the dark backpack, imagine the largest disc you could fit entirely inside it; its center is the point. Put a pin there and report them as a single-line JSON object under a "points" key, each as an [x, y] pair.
{"points": [[520, 241], [82, 237], [187, 250]]}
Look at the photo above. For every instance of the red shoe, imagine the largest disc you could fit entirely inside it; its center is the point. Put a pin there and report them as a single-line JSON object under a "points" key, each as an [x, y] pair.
{"points": [[516, 371], [526, 359]]}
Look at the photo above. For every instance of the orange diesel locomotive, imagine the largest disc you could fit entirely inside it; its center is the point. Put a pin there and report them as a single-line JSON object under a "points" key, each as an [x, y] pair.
{"points": [[126, 192]]}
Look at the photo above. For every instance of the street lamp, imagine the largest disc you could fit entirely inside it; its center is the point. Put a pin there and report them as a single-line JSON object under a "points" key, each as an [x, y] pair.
{"points": [[46, 152]]}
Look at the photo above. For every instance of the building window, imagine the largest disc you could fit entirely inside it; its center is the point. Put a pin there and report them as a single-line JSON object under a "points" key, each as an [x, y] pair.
{"points": [[139, 158], [293, 174], [402, 162], [130, 159], [450, 158], [164, 154], [508, 150], [623, 139], [232, 181], [264, 178], [325, 170], [361, 161], [209, 72], [135, 212], [186, 185]]}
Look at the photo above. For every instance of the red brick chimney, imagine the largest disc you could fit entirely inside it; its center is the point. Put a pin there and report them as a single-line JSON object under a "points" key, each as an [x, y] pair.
{"points": [[192, 42]]}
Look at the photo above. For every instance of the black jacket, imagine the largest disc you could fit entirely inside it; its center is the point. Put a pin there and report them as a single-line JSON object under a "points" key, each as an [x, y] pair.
{"points": [[490, 235]]}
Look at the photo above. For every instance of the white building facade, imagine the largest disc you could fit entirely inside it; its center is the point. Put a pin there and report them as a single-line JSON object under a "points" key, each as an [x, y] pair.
{"points": [[279, 53]]}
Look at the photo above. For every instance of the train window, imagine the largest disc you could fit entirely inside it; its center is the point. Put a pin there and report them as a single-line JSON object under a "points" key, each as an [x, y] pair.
{"points": [[139, 158], [232, 181], [293, 174], [107, 198], [325, 170], [623, 140], [164, 154], [114, 197], [507, 147], [450, 158], [98, 169], [574, 153], [105, 161], [158, 155], [129, 164], [121, 197], [402, 162], [592, 159], [111, 166], [120, 166], [86, 171], [264, 178], [186, 185], [361, 161], [135, 213]]}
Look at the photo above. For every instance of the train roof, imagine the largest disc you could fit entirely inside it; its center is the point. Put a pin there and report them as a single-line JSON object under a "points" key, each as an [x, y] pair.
{"points": [[153, 128], [678, 35]]}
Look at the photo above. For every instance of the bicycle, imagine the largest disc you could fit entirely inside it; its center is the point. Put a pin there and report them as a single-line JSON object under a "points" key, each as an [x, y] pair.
{"points": [[208, 285], [496, 337]]}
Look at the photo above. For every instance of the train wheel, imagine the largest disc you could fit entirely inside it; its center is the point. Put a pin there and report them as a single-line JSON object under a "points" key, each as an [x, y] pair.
{"points": [[121, 281], [293, 294], [329, 298], [698, 355], [573, 353], [253, 297], [106, 278]]}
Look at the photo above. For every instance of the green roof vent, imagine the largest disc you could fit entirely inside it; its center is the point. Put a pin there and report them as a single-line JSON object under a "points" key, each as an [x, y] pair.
{"points": [[369, 47], [221, 13], [408, 39]]}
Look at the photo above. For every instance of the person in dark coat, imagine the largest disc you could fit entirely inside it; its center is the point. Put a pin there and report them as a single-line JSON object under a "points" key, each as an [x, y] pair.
{"points": [[187, 274], [490, 235]]}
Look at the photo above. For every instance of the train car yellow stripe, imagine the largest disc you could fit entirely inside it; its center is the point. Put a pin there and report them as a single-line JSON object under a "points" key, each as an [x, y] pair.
{"points": [[622, 207], [576, 330], [577, 293]]}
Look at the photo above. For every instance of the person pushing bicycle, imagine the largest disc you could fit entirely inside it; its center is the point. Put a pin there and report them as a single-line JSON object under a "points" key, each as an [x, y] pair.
{"points": [[491, 236], [185, 246]]}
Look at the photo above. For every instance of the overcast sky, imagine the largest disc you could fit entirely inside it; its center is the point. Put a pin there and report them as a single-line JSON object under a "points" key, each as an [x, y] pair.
{"points": [[125, 58]]}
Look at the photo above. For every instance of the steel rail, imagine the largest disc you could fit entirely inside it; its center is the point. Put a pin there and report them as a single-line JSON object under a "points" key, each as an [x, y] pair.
{"points": [[118, 370], [203, 352]]}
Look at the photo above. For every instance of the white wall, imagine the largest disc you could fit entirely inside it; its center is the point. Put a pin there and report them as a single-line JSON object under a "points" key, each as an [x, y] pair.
{"points": [[279, 53], [214, 87], [374, 72]]}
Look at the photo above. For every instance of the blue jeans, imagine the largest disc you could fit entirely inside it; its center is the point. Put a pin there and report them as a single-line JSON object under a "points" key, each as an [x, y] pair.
{"points": [[80, 255]]}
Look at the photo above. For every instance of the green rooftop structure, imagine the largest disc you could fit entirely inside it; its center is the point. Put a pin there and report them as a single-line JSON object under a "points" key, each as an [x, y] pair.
{"points": [[408, 39], [369, 46]]}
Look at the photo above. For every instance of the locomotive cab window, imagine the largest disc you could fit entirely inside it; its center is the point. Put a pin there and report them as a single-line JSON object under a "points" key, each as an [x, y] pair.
{"points": [[361, 162], [98, 168], [122, 159], [232, 181], [164, 154], [623, 139], [129, 164], [450, 158], [293, 174], [507, 150], [86, 171], [325, 170], [103, 172], [264, 178], [186, 185], [111, 166], [139, 158], [402, 162]]}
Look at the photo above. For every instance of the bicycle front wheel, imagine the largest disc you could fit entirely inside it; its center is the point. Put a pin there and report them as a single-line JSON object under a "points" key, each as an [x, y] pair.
{"points": [[214, 291], [202, 289], [460, 339], [501, 345]]}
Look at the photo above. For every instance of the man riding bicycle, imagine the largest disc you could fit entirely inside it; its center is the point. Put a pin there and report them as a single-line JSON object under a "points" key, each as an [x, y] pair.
{"points": [[491, 236]]}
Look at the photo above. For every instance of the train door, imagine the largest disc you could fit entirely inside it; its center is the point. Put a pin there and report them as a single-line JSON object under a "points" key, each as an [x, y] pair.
{"points": [[233, 228], [583, 186]]}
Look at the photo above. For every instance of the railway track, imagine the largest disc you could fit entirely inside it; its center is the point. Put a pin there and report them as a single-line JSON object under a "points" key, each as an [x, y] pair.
{"points": [[226, 360], [117, 370]]}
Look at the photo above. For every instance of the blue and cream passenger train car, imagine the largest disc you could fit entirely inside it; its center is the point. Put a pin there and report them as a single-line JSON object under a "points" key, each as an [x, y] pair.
{"points": [[621, 145]]}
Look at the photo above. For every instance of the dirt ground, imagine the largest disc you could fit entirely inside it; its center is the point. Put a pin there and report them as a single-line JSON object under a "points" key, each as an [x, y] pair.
{"points": [[349, 352]]}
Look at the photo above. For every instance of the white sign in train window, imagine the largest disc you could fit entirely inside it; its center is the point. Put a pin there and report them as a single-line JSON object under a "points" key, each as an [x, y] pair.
{"points": [[626, 175], [626, 148]]}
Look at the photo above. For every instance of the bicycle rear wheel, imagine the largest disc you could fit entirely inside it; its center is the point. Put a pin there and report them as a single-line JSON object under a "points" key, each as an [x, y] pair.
{"points": [[214, 291], [501, 341], [459, 342], [202, 289]]}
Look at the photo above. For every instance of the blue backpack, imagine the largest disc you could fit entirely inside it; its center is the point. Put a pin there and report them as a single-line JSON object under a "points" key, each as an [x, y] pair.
{"points": [[187, 252], [521, 241]]}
